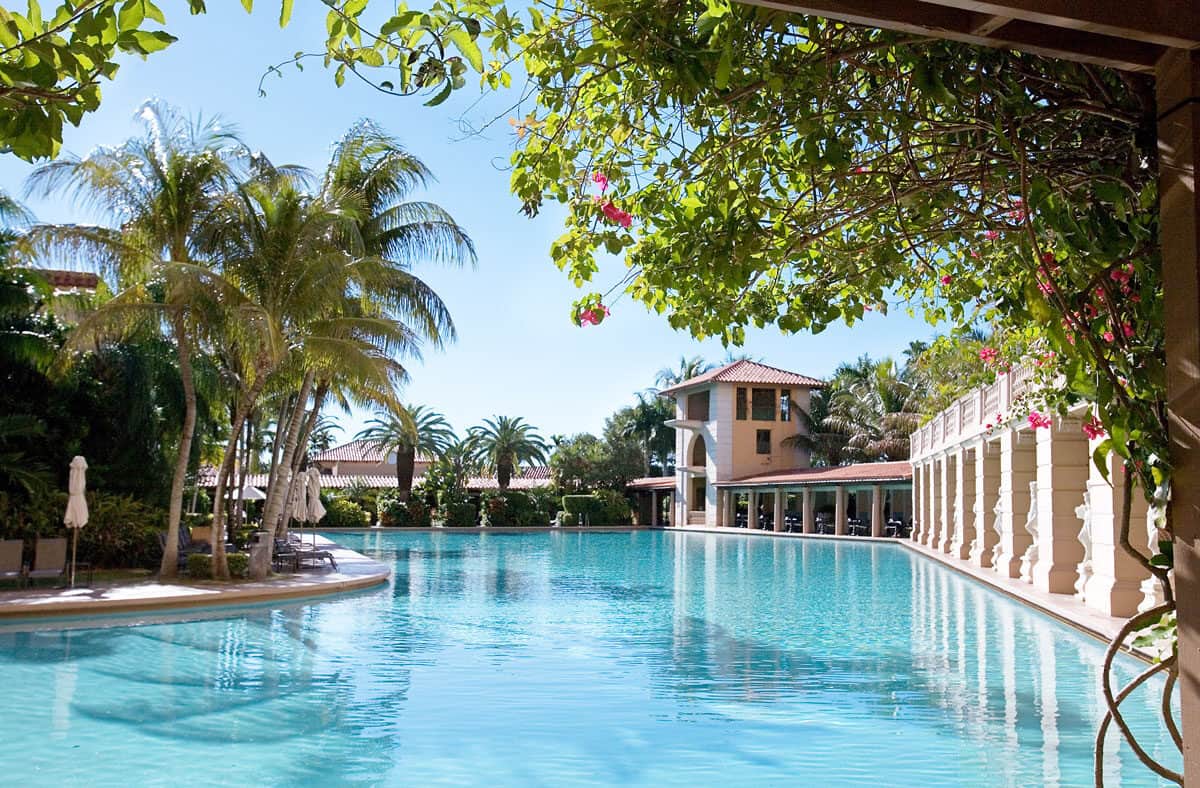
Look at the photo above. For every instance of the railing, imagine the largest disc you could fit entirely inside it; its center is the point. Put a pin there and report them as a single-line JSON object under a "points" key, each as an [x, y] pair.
{"points": [[968, 416]]}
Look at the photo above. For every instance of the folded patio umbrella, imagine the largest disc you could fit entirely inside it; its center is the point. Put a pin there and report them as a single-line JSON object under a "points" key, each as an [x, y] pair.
{"points": [[300, 502], [76, 516], [316, 510]]}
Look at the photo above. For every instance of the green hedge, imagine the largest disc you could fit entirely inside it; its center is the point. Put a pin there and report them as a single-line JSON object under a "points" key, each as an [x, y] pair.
{"points": [[605, 507], [343, 513], [121, 533], [413, 513], [567, 520], [238, 563], [512, 509], [199, 566], [457, 514]]}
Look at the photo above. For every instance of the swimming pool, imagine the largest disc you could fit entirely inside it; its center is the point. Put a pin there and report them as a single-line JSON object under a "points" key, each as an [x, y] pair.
{"points": [[646, 658]]}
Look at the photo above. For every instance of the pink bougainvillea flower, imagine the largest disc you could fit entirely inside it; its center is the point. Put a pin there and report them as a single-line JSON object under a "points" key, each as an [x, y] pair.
{"points": [[988, 355], [1071, 337], [1045, 287], [601, 180], [1017, 216], [975, 254], [1039, 421], [947, 279], [988, 425], [859, 170], [1048, 258], [991, 235], [1127, 330], [1118, 275], [1090, 311], [1108, 336], [1135, 298], [616, 215], [1094, 429]]}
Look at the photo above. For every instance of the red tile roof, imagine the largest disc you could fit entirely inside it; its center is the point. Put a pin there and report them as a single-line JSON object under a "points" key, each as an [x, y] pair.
{"points": [[746, 371], [69, 280], [652, 483], [863, 472], [356, 451], [530, 478]]}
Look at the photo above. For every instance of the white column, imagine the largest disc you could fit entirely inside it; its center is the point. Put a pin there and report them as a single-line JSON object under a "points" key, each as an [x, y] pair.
{"points": [[1062, 477], [964, 502], [752, 509], [778, 513], [808, 520], [1018, 467], [917, 498], [877, 510], [945, 503], [987, 484], [929, 537], [839, 510], [1115, 585]]}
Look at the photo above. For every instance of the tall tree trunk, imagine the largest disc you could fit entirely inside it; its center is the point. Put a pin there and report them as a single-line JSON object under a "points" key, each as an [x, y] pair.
{"points": [[281, 428], [504, 471], [243, 471], [170, 560], [280, 487], [406, 460], [220, 566], [299, 453]]}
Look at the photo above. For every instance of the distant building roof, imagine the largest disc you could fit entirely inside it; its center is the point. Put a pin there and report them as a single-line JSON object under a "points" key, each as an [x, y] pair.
{"points": [[652, 483], [746, 371], [357, 451], [69, 280], [860, 473], [530, 478]]}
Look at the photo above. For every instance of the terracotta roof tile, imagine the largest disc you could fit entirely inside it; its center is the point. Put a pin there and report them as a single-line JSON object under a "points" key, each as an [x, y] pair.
{"points": [[746, 371], [69, 280], [531, 478], [859, 473], [652, 483]]}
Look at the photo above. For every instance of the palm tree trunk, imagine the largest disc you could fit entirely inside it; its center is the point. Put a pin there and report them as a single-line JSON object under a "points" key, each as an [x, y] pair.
{"points": [[276, 447], [170, 560], [279, 490], [406, 459], [220, 566], [243, 471], [298, 455], [503, 474]]}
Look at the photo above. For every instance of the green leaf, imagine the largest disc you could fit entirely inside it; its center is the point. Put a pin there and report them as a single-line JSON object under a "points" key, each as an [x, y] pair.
{"points": [[724, 65], [285, 12], [442, 94], [467, 47], [131, 15]]}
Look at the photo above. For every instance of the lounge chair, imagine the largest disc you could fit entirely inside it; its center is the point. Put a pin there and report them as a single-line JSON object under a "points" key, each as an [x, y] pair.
{"points": [[49, 559], [11, 565]]}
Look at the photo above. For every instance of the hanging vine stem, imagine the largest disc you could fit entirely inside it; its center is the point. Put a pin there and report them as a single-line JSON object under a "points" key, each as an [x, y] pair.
{"points": [[1113, 702]]}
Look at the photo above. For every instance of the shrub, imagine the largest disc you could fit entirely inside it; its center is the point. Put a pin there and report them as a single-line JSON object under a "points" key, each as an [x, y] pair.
{"points": [[587, 509], [343, 513], [457, 514], [511, 509], [614, 508], [567, 520], [413, 513], [238, 564], [121, 533], [199, 566], [548, 502]]}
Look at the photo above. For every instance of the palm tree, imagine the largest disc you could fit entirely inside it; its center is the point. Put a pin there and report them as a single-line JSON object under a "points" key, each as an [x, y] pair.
{"points": [[410, 431], [158, 189], [645, 423], [323, 434], [688, 368], [503, 443], [875, 407]]}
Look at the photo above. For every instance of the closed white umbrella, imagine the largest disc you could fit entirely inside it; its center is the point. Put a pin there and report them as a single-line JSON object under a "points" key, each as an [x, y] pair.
{"points": [[316, 510], [300, 502], [77, 511]]}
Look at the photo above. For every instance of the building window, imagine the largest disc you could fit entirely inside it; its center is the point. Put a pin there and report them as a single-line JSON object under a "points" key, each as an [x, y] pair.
{"points": [[762, 405], [763, 442], [741, 404], [785, 405], [697, 406]]}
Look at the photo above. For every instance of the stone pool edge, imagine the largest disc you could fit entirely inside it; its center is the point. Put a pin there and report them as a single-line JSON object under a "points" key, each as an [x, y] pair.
{"points": [[355, 572]]}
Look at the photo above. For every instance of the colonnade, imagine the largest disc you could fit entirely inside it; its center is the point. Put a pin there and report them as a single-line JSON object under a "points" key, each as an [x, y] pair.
{"points": [[1030, 504]]}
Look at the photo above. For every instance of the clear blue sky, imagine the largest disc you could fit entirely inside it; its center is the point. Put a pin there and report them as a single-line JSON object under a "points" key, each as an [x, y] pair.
{"points": [[517, 352]]}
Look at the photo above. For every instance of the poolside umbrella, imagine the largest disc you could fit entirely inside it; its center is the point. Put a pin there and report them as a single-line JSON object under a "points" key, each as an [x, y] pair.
{"points": [[316, 510], [249, 494], [77, 511], [300, 502]]}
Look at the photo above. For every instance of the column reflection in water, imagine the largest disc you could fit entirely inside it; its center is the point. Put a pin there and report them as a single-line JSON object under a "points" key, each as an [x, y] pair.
{"points": [[1008, 668], [1045, 665]]}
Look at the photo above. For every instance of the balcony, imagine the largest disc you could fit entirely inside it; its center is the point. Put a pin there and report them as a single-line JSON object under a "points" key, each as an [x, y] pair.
{"points": [[968, 416]]}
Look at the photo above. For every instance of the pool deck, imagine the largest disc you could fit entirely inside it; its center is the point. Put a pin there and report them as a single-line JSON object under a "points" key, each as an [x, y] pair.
{"points": [[1063, 607], [355, 572]]}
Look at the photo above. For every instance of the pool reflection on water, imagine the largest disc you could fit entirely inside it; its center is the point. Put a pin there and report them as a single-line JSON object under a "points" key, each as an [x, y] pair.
{"points": [[567, 658]]}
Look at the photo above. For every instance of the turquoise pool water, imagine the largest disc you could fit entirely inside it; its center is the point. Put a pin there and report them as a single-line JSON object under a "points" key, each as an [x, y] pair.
{"points": [[567, 659]]}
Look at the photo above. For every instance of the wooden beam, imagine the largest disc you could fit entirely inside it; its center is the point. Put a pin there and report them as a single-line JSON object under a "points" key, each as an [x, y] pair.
{"points": [[936, 20], [1167, 23], [1178, 86]]}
